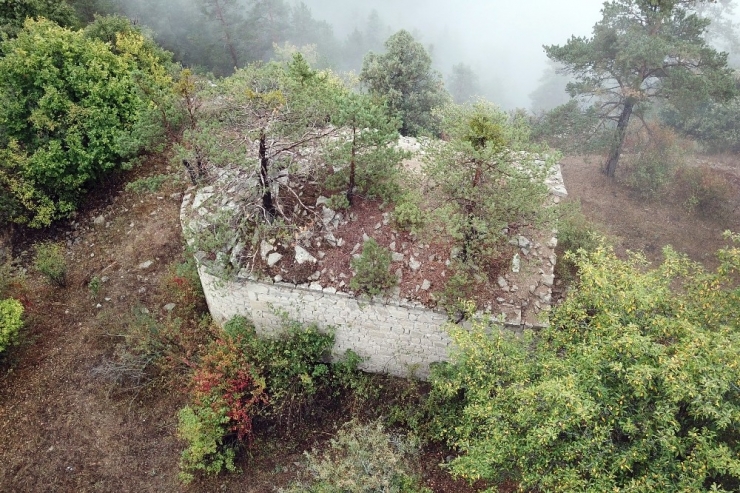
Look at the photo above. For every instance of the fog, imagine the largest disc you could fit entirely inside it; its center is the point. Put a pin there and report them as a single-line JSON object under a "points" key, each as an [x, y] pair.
{"points": [[502, 41], [497, 44]]}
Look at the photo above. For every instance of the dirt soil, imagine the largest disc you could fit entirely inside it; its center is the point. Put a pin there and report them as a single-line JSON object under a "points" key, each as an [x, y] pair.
{"points": [[62, 428], [647, 226]]}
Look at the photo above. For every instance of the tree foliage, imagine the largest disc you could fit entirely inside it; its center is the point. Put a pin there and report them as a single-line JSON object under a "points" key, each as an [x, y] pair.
{"points": [[403, 76], [283, 108], [640, 51], [464, 83], [367, 160], [69, 114], [633, 387], [484, 175], [13, 13]]}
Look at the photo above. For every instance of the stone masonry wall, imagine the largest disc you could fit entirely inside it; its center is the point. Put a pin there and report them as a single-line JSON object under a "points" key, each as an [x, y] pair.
{"points": [[393, 338]]}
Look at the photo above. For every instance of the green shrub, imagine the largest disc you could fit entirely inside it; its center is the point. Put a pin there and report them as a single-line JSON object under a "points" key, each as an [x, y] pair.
{"points": [[338, 202], [633, 386], [409, 216], [296, 368], [226, 395], [94, 286], [703, 190], [243, 377], [372, 275], [51, 262], [11, 322], [72, 111], [363, 459], [149, 184], [458, 289], [203, 429], [575, 231]]}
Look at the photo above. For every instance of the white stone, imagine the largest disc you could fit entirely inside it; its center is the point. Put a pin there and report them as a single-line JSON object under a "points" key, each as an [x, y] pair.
{"points": [[302, 256], [516, 263], [146, 265], [397, 257], [426, 285], [414, 264], [265, 249], [327, 215], [200, 199], [273, 259]]}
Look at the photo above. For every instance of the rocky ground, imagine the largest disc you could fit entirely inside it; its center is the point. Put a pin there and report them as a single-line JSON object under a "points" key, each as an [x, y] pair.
{"points": [[317, 254]]}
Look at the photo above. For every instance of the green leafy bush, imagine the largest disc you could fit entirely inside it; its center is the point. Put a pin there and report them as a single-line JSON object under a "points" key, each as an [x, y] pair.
{"points": [[296, 368], [363, 459], [409, 216], [372, 275], [70, 108], [14, 13], [338, 202], [51, 262], [243, 377], [632, 387], [203, 429], [575, 232], [11, 322], [149, 184]]}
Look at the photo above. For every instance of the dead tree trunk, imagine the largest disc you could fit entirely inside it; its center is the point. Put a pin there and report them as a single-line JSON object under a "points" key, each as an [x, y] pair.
{"points": [[352, 165], [616, 151], [267, 202]]}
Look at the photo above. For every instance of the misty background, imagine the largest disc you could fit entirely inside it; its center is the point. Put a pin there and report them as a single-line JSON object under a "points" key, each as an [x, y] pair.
{"points": [[501, 41], [487, 48]]}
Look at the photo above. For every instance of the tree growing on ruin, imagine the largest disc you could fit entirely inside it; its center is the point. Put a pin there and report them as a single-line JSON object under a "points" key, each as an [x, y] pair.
{"points": [[642, 51], [266, 115], [483, 181], [367, 160]]}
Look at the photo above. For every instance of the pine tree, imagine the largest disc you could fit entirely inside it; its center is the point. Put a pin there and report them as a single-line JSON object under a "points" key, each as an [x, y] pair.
{"points": [[640, 51], [403, 76]]}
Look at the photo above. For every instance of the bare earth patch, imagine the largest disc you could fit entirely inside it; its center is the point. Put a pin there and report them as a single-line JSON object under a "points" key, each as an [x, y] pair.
{"points": [[648, 226]]}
